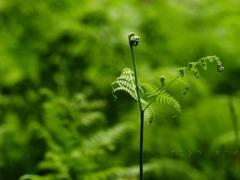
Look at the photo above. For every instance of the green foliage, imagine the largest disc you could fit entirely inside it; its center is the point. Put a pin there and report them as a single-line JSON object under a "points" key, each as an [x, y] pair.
{"points": [[161, 96], [225, 141], [57, 59], [165, 98], [125, 82], [201, 64], [76, 153], [173, 169]]}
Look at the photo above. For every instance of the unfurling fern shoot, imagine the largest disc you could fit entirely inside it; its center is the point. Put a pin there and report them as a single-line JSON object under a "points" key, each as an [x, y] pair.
{"points": [[148, 93]]}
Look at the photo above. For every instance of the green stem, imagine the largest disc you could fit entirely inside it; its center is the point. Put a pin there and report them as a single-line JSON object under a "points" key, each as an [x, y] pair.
{"points": [[141, 145], [136, 79], [141, 116]]}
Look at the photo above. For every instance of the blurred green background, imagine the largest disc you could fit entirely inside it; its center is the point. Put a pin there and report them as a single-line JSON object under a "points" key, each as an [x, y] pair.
{"points": [[58, 119]]}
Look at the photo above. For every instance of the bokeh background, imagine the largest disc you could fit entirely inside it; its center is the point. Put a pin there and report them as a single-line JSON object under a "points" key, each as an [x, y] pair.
{"points": [[58, 119]]}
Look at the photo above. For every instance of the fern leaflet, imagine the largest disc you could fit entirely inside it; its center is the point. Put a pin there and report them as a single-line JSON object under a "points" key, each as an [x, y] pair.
{"points": [[161, 96], [150, 90], [167, 99], [125, 82]]}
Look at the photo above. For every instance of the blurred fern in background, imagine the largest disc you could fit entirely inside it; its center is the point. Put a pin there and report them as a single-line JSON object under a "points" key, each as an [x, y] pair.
{"points": [[58, 119]]}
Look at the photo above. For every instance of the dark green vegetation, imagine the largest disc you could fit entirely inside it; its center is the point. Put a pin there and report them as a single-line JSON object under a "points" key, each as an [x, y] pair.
{"points": [[58, 119]]}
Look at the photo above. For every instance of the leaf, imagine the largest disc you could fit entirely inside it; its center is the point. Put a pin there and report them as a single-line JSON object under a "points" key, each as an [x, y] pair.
{"points": [[160, 95], [150, 89], [149, 115], [126, 83], [167, 99]]}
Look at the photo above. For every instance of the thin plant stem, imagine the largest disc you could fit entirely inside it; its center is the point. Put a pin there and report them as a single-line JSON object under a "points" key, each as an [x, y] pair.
{"points": [[141, 145], [141, 111], [136, 79]]}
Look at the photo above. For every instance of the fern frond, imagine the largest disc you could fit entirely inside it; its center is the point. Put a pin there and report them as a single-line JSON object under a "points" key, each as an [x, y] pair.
{"points": [[126, 83], [104, 138], [149, 115], [202, 63], [150, 89], [167, 99], [161, 96]]}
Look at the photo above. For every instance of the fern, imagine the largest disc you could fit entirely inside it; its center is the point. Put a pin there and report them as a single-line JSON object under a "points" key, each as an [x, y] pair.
{"points": [[126, 83], [161, 96], [202, 64], [149, 93], [105, 138], [150, 89], [165, 98], [149, 115], [85, 142]]}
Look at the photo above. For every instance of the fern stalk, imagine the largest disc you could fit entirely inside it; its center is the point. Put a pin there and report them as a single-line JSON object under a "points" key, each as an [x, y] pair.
{"points": [[132, 43], [136, 77], [128, 83]]}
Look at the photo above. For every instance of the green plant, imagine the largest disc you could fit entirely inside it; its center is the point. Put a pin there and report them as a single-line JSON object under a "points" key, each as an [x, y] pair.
{"points": [[148, 93], [75, 139]]}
